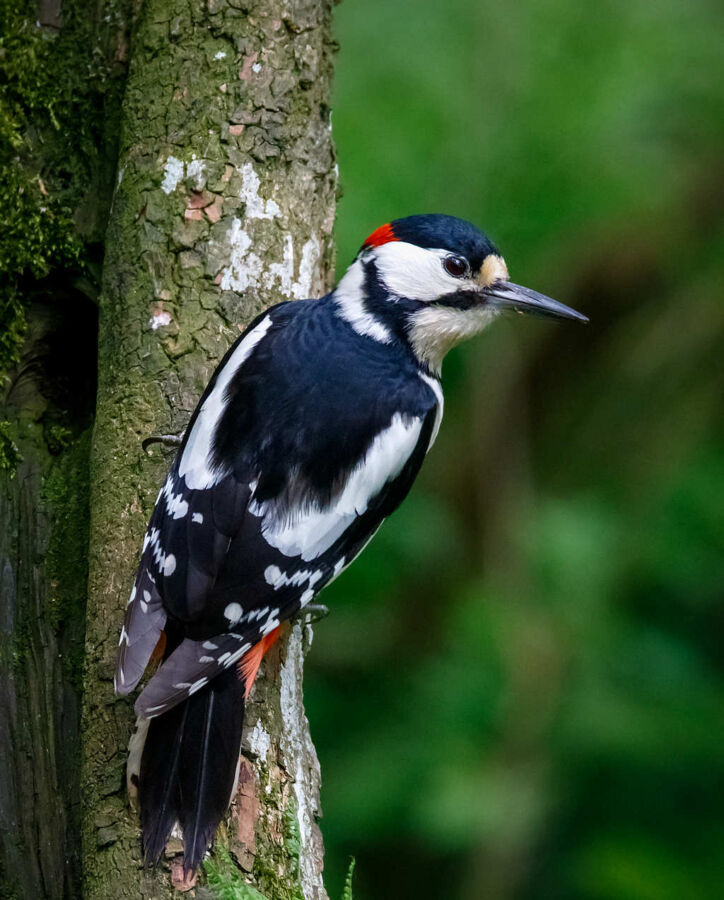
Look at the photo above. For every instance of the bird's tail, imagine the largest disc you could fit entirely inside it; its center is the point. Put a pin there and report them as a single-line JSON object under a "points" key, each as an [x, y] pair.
{"points": [[188, 768]]}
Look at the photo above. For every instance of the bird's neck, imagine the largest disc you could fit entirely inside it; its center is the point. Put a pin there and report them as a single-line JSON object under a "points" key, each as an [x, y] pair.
{"points": [[365, 303]]}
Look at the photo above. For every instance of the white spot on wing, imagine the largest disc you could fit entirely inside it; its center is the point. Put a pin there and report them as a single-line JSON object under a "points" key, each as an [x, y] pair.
{"points": [[197, 518], [237, 654], [255, 614], [271, 624], [233, 613], [274, 576], [166, 565], [314, 577], [175, 504]]}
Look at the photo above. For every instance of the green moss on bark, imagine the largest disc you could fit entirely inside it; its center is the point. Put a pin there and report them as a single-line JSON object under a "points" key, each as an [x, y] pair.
{"points": [[9, 453], [226, 882], [60, 85], [57, 95], [66, 493]]}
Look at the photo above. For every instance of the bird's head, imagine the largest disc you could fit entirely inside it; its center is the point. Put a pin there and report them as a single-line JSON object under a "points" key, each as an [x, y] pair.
{"points": [[433, 280]]}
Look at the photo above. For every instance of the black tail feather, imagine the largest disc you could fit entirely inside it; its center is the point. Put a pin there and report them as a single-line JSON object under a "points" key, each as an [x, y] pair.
{"points": [[188, 768]]}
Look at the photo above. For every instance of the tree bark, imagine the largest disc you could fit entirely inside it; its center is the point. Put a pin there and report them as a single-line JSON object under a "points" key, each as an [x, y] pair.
{"points": [[44, 570], [224, 205], [61, 67]]}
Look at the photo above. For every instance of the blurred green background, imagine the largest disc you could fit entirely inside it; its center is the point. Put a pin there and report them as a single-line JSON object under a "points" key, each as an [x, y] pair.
{"points": [[519, 691]]}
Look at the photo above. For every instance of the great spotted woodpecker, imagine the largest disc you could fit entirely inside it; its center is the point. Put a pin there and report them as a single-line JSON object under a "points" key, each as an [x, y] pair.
{"points": [[309, 434]]}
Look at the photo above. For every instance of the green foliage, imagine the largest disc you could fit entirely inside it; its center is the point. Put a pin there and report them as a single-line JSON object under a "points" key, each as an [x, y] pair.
{"points": [[347, 891], [12, 327], [9, 453], [527, 659], [225, 880]]}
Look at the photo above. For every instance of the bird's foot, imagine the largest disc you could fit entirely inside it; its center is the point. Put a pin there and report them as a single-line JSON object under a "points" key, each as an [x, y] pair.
{"points": [[168, 440], [313, 613]]}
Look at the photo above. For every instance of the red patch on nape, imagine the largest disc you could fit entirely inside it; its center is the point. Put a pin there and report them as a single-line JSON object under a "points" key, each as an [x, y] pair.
{"points": [[383, 235]]}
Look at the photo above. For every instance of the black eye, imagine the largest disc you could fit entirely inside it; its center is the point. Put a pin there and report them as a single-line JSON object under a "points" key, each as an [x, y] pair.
{"points": [[456, 266]]}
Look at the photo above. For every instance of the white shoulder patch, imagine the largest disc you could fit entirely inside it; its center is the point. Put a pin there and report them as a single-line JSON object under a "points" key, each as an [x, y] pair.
{"points": [[195, 465], [349, 295], [309, 530]]}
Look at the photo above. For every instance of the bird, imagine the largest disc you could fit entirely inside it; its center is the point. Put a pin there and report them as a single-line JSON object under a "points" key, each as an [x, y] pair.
{"points": [[308, 436]]}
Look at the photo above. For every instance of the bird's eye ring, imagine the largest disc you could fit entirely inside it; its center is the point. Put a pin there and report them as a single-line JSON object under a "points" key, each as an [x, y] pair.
{"points": [[456, 266]]}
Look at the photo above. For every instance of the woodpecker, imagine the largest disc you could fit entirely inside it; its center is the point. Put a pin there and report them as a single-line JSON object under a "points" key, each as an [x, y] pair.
{"points": [[309, 434]]}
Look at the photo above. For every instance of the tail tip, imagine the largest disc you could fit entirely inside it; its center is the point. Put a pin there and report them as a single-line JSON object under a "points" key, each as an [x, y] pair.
{"points": [[183, 877]]}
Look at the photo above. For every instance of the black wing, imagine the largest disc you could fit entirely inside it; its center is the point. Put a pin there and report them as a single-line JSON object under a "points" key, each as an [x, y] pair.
{"points": [[244, 535]]}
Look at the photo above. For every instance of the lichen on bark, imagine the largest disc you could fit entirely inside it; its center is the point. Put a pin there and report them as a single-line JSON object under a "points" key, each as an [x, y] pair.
{"points": [[224, 204]]}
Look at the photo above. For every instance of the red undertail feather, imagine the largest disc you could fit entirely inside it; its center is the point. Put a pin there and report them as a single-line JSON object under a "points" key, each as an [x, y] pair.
{"points": [[159, 649], [249, 664]]}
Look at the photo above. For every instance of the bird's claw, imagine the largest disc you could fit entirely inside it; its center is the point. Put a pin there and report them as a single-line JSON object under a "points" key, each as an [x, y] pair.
{"points": [[168, 440], [313, 612]]}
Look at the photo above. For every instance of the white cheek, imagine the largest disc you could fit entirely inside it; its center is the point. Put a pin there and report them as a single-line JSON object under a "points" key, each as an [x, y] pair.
{"points": [[415, 272]]}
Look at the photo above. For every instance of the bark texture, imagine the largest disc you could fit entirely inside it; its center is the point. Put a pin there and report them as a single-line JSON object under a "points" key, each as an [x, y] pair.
{"points": [[43, 543], [61, 67], [224, 205]]}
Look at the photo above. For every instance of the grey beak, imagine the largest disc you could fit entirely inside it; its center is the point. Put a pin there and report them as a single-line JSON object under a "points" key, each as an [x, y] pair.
{"points": [[506, 295]]}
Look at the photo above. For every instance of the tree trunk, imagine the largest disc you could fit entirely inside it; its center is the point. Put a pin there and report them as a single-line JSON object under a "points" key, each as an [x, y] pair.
{"points": [[61, 68], [224, 205], [44, 570]]}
